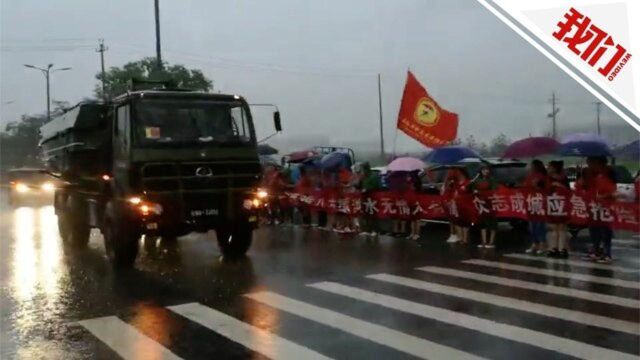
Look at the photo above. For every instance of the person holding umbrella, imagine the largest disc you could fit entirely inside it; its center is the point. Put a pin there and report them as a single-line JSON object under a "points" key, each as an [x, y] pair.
{"points": [[484, 181], [558, 185], [370, 182], [603, 187], [538, 181]]}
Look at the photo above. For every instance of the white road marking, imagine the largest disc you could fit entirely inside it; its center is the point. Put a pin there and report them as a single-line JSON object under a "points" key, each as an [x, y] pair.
{"points": [[516, 304], [626, 242], [577, 263], [556, 273], [392, 338], [256, 339], [505, 331], [551, 289], [126, 340]]}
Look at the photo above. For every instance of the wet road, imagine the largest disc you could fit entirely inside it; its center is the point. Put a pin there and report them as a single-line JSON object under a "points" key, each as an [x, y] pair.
{"points": [[309, 294]]}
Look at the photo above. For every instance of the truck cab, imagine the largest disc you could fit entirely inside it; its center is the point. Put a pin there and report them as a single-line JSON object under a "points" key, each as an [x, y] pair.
{"points": [[167, 163]]}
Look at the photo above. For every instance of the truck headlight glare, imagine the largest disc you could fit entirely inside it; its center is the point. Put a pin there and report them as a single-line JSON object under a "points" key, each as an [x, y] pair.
{"points": [[22, 188], [48, 187], [262, 194]]}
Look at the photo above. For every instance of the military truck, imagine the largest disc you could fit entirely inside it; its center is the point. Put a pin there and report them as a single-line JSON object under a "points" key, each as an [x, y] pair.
{"points": [[159, 163]]}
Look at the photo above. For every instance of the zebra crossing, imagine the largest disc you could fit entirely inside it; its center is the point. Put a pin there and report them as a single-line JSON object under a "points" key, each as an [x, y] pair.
{"points": [[416, 297]]}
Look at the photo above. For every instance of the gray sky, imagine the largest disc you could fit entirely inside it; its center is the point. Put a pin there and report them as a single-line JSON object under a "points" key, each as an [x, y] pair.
{"points": [[317, 60]]}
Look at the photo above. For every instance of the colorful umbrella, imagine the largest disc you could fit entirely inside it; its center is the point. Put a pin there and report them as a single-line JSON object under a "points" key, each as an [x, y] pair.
{"points": [[300, 156], [406, 164], [335, 160], [584, 137], [585, 148], [531, 147], [449, 155]]}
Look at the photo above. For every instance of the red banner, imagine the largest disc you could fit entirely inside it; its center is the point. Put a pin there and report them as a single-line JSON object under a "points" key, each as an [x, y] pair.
{"points": [[563, 207], [423, 119]]}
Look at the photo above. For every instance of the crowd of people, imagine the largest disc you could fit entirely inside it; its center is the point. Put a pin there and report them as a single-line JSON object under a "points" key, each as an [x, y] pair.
{"points": [[547, 237]]}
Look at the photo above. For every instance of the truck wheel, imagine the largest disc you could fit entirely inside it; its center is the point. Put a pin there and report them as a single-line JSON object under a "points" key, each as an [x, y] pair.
{"points": [[234, 242], [120, 242], [72, 233]]}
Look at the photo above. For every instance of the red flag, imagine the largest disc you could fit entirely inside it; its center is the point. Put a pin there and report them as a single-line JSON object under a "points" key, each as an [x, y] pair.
{"points": [[423, 119]]}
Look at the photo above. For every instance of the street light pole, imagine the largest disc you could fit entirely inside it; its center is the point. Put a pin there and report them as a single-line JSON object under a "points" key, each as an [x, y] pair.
{"points": [[47, 72]]}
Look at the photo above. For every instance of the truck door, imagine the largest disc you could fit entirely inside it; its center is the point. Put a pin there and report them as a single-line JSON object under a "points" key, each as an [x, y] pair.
{"points": [[121, 147]]}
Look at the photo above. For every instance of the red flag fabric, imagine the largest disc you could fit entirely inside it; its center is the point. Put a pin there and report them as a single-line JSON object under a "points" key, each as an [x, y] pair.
{"points": [[423, 119]]}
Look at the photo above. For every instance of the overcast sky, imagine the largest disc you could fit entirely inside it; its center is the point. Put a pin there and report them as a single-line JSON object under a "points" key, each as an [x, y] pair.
{"points": [[317, 60]]}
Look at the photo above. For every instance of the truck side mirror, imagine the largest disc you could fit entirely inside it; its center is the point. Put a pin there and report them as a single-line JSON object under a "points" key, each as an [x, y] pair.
{"points": [[276, 121]]}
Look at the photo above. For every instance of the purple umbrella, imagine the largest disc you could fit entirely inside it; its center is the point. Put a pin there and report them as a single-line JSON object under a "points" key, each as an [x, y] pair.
{"points": [[584, 137], [531, 147], [406, 164]]}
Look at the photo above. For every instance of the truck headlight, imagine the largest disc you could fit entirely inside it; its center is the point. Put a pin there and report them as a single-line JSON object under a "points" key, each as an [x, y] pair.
{"points": [[22, 188], [261, 194], [144, 207], [48, 187]]}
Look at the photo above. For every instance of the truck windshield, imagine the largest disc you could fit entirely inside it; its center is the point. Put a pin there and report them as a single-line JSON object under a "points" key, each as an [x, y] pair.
{"points": [[189, 122]]}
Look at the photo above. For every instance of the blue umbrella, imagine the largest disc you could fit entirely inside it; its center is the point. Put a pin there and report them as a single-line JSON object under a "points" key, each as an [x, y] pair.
{"points": [[449, 155], [335, 160], [588, 137], [631, 151], [584, 148]]}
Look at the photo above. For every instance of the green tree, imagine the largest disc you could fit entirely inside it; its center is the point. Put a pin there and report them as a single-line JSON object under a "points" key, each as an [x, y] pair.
{"points": [[117, 78], [19, 142], [499, 145]]}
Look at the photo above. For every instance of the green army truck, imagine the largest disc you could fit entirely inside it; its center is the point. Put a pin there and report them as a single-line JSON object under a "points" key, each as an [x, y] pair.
{"points": [[157, 163]]}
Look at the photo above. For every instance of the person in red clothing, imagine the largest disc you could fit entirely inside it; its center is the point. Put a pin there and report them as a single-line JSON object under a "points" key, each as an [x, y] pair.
{"points": [[274, 182], [558, 186], [454, 186], [537, 181], [304, 186], [636, 185], [601, 184]]}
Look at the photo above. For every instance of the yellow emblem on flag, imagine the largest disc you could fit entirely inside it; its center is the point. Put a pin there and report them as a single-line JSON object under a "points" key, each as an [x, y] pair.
{"points": [[426, 113]]}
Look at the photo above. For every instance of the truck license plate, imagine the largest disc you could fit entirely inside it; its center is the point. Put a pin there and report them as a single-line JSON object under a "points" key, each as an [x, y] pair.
{"points": [[204, 212]]}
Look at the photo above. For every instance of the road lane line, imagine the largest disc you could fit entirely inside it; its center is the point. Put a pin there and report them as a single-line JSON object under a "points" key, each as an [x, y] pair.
{"points": [[551, 289], [125, 339], [514, 303], [556, 273], [256, 339], [577, 263], [392, 338], [626, 241], [505, 331]]}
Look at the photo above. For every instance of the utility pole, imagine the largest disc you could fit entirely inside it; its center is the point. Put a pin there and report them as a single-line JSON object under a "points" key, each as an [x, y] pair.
{"points": [[380, 114], [553, 114], [101, 49], [598, 104], [158, 49]]}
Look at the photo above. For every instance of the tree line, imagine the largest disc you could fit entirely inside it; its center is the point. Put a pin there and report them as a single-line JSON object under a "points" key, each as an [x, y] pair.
{"points": [[20, 138]]}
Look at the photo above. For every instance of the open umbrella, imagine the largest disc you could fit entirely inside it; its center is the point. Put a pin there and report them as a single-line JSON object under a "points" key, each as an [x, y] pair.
{"points": [[631, 151], [584, 148], [335, 160], [406, 164], [266, 149], [449, 155], [300, 156], [531, 147], [584, 137]]}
